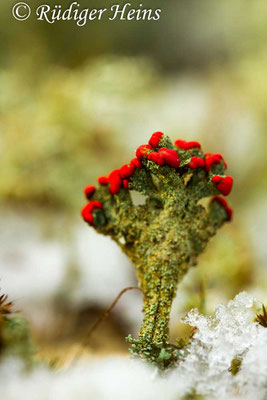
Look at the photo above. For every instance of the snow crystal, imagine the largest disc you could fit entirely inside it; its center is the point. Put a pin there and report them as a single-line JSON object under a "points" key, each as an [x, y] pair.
{"points": [[217, 341]]}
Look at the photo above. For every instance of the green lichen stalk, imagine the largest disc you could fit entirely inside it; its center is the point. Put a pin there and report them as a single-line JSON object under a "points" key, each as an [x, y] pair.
{"points": [[163, 236]]}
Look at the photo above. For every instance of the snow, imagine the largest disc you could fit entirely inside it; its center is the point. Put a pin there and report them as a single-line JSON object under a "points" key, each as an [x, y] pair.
{"points": [[204, 368]]}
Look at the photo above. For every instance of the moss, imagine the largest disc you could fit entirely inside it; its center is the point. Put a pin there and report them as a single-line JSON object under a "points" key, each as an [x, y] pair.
{"points": [[16, 339], [235, 365], [262, 318], [193, 396]]}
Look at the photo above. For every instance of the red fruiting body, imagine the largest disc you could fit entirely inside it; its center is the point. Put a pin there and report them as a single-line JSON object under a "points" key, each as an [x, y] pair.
{"points": [[125, 183], [115, 181], [87, 216], [217, 179], [224, 185], [143, 150], [89, 191], [214, 159], [184, 145], [196, 162], [224, 204], [88, 209], [137, 163], [157, 158], [103, 180], [155, 138], [127, 170], [94, 204], [170, 157]]}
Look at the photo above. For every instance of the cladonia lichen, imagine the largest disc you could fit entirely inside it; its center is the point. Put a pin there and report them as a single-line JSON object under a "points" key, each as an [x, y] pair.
{"points": [[163, 236]]}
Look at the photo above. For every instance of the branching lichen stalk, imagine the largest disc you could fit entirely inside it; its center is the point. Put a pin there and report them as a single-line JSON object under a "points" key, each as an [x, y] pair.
{"points": [[164, 236]]}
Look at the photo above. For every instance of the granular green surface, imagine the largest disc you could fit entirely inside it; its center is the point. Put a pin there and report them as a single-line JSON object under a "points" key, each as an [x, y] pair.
{"points": [[162, 237]]}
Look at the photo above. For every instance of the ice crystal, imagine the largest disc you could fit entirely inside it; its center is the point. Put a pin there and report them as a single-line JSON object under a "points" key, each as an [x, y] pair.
{"points": [[230, 335]]}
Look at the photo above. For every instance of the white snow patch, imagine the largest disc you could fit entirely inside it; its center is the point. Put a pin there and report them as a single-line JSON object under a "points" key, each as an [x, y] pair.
{"points": [[205, 366]]}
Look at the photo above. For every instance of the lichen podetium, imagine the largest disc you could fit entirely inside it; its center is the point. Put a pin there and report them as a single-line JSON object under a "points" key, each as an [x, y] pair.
{"points": [[163, 236]]}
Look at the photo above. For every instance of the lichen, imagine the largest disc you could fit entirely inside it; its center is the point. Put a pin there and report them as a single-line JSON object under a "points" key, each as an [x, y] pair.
{"points": [[164, 236]]}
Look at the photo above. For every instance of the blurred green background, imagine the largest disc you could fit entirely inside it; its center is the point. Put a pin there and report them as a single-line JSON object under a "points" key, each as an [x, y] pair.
{"points": [[75, 102]]}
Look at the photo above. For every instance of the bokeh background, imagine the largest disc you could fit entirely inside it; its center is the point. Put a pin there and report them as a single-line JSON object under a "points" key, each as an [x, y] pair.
{"points": [[74, 104]]}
